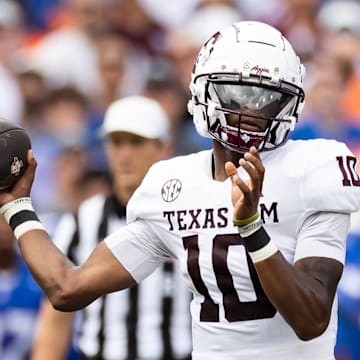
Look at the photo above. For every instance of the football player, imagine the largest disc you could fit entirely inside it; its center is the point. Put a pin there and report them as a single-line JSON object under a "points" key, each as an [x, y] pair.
{"points": [[258, 223]]}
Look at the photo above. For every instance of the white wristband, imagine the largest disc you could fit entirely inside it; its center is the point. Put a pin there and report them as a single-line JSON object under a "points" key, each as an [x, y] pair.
{"points": [[21, 217], [259, 244], [249, 229], [268, 250], [11, 208]]}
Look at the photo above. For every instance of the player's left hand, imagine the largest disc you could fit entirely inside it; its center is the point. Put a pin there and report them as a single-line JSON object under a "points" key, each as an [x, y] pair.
{"points": [[245, 195]]}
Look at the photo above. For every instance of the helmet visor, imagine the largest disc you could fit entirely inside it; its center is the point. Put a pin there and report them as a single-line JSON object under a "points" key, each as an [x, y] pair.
{"points": [[265, 102]]}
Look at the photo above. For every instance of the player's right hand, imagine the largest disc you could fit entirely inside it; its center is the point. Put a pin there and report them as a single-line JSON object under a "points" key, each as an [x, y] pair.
{"points": [[245, 194], [22, 187]]}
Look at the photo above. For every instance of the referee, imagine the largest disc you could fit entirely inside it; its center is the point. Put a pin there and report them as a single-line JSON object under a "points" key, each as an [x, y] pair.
{"points": [[150, 321]]}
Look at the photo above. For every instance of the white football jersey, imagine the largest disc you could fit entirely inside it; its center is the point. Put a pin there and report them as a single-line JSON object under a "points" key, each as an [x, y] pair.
{"points": [[310, 189]]}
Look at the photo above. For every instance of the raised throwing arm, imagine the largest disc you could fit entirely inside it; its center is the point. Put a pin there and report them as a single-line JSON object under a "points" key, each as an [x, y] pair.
{"points": [[67, 286]]}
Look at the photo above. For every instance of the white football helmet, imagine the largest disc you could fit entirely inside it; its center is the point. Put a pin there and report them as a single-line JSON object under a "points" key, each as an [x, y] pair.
{"points": [[247, 87]]}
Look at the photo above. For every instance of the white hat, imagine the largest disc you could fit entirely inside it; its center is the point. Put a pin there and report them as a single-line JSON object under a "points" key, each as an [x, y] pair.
{"points": [[340, 15], [137, 115], [208, 20]]}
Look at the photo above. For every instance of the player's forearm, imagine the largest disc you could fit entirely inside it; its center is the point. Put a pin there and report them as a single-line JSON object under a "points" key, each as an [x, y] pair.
{"points": [[70, 287], [54, 272], [302, 300]]}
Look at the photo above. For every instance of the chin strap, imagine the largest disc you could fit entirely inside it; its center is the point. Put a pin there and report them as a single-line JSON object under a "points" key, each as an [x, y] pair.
{"points": [[212, 109]]}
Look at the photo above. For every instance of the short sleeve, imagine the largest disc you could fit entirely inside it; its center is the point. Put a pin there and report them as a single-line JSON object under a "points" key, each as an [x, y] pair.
{"points": [[331, 182], [137, 248], [323, 234]]}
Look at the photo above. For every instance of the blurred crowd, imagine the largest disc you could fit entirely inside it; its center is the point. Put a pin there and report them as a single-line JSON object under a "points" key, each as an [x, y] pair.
{"points": [[62, 62]]}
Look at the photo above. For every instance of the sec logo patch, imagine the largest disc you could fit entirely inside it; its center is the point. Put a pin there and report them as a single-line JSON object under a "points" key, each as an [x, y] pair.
{"points": [[171, 190]]}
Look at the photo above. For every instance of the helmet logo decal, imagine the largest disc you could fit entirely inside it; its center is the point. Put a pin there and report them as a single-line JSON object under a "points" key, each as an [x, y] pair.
{"points": [[207, 49], [259, 70], [171, 190], [245, 138]]}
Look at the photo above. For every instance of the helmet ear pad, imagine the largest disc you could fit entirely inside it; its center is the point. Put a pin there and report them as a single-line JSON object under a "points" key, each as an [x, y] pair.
{"points": [[249, 54], [198, 109]]}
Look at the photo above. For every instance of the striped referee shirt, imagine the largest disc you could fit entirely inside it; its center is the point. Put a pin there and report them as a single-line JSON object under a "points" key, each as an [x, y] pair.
{"points": [[150, 321]]}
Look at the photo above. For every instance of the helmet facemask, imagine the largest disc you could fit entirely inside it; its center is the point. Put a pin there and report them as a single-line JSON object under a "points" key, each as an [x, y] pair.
{"points": [[255, 112]]}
